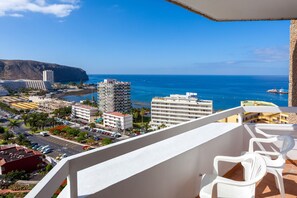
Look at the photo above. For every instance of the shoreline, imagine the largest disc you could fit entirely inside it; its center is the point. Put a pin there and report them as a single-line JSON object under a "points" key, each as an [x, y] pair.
{"points": [[75, 93]]}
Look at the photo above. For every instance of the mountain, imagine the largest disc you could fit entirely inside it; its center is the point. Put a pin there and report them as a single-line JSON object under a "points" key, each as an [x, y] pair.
{"points": [[27, 69]]}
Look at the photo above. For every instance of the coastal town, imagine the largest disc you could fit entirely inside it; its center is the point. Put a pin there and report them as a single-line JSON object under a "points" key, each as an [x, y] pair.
{"points": [[148, 99], [40, 128]]}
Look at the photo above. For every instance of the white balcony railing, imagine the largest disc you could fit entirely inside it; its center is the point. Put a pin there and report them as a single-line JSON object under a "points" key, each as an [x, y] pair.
{"points": [[165, 163]]}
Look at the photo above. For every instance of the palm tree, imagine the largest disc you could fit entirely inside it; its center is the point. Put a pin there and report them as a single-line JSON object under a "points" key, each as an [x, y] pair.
{"points": [[13, 124], [25, 118], [135, 115], [21, 138], [142, 113]]}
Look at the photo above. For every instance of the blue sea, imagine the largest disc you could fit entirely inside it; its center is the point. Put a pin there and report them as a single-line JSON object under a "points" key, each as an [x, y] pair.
{"points": [[225, 91]]}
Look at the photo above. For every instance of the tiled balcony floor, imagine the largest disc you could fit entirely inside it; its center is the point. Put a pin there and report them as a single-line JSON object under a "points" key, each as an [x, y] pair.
{"points": [[267, 187]]}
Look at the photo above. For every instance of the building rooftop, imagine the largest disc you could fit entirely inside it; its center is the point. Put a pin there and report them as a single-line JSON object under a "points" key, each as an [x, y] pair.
{"points": [[257, 103], [113, 81], [179, 97], [13, 153], [117, 114], [85, 107]]}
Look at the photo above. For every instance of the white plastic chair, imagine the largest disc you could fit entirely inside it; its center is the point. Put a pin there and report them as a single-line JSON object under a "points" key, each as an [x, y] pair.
{"points": [[275, 160], [217, 186]]}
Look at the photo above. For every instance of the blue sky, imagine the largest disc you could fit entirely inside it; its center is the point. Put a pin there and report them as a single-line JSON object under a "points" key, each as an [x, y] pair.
{"points": [[139, 37]]}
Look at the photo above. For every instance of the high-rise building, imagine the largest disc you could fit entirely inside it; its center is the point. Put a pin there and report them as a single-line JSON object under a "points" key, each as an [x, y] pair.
{"points": [[176, 109], [48, 75], [114, 96]]}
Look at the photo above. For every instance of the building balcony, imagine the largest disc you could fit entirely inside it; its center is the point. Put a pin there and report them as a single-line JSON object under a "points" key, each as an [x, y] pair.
{"points": [[168, 162]]}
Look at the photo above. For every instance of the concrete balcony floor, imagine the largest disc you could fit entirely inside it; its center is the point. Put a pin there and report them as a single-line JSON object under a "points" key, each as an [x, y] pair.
{"points": [[267, 187]]}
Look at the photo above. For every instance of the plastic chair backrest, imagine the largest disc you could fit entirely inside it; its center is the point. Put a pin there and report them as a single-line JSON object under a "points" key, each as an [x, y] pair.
{"points": [[288, 143], [255, 168]]}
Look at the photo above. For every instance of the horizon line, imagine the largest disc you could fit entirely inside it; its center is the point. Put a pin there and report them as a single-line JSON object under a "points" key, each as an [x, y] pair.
{"points": [[194, 74]]}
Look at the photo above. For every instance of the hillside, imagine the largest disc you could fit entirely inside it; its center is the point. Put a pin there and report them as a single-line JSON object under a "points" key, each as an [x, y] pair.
{"points": [[23, 69]]}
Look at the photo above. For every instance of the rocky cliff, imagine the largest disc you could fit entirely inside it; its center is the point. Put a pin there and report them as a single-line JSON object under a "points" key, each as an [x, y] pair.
{"points": [[22, 69]]}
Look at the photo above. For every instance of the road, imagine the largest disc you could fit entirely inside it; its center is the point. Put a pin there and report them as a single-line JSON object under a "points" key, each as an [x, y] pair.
{"points": [[59, 146]]}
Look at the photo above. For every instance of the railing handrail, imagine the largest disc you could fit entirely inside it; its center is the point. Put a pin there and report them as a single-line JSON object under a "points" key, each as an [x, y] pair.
{"points": [[51, 182], [268, 109]]}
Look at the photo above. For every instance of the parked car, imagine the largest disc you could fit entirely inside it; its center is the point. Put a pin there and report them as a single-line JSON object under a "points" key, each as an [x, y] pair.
{"points": [[33, 144], [39, 148], [44, 147], [36, 147], [96, 138], [62, 156], [44, 133], [47, 150], [27, 134]]}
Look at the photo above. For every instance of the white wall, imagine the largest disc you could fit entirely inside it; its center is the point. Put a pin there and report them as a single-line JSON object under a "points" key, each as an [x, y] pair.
{"points": [[178, 177]]}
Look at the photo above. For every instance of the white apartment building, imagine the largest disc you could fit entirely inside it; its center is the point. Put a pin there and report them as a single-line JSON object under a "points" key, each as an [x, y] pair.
{"points": [[114, 96], [16, 85], [84, 113], [176, 109], [48, 75], [118, 120]]}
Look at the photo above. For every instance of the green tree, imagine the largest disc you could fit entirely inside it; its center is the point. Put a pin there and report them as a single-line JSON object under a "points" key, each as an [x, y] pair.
{"points": [[13, 124], [2, 130], [25, 118], [142, 113], [22, 140], [146, 126], [16, 175], [92, 125], [34, 129], [7, 135], [162, 126], [48, 168], [136, 115], [106, 141]]}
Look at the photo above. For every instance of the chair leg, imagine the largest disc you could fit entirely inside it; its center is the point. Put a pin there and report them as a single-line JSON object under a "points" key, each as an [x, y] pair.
{"points": [[279, 182]]}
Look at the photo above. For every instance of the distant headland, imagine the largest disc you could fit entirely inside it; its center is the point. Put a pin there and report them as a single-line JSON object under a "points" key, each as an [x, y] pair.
{"points": [[28, 69]]}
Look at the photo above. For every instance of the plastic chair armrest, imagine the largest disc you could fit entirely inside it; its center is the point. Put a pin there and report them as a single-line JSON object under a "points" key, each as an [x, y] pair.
{"points": [[259, 131], [229, 159], [261, 140], [268, 153], [223, 180]]}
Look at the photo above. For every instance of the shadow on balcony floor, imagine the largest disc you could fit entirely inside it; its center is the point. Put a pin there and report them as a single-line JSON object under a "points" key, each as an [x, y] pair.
{"points": [[267, 187]]}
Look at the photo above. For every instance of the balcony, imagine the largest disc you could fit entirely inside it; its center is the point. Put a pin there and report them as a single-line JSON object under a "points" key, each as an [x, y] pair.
{"points": [[165, 163]]}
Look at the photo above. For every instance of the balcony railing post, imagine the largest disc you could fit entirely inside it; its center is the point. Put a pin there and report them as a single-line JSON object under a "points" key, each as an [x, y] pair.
{"points": [[240, 118], [72, 184]]}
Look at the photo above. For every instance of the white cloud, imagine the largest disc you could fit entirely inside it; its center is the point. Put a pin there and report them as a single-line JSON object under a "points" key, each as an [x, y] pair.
{"points": [[16, 15], [272, 54], [59, 8]]}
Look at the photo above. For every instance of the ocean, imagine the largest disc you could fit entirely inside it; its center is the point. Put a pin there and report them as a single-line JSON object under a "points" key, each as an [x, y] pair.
{"points": [[225, 91]]}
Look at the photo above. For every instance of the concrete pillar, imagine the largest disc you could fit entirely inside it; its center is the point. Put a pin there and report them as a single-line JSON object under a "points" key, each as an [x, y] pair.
{"points": [[293, 70]]}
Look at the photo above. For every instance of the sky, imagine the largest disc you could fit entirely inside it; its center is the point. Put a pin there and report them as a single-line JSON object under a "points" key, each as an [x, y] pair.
{"points": [[139, 37]]}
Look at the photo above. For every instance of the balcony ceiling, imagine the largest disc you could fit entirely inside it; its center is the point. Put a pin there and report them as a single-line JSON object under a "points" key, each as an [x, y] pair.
{"points": [[240, 10]]}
